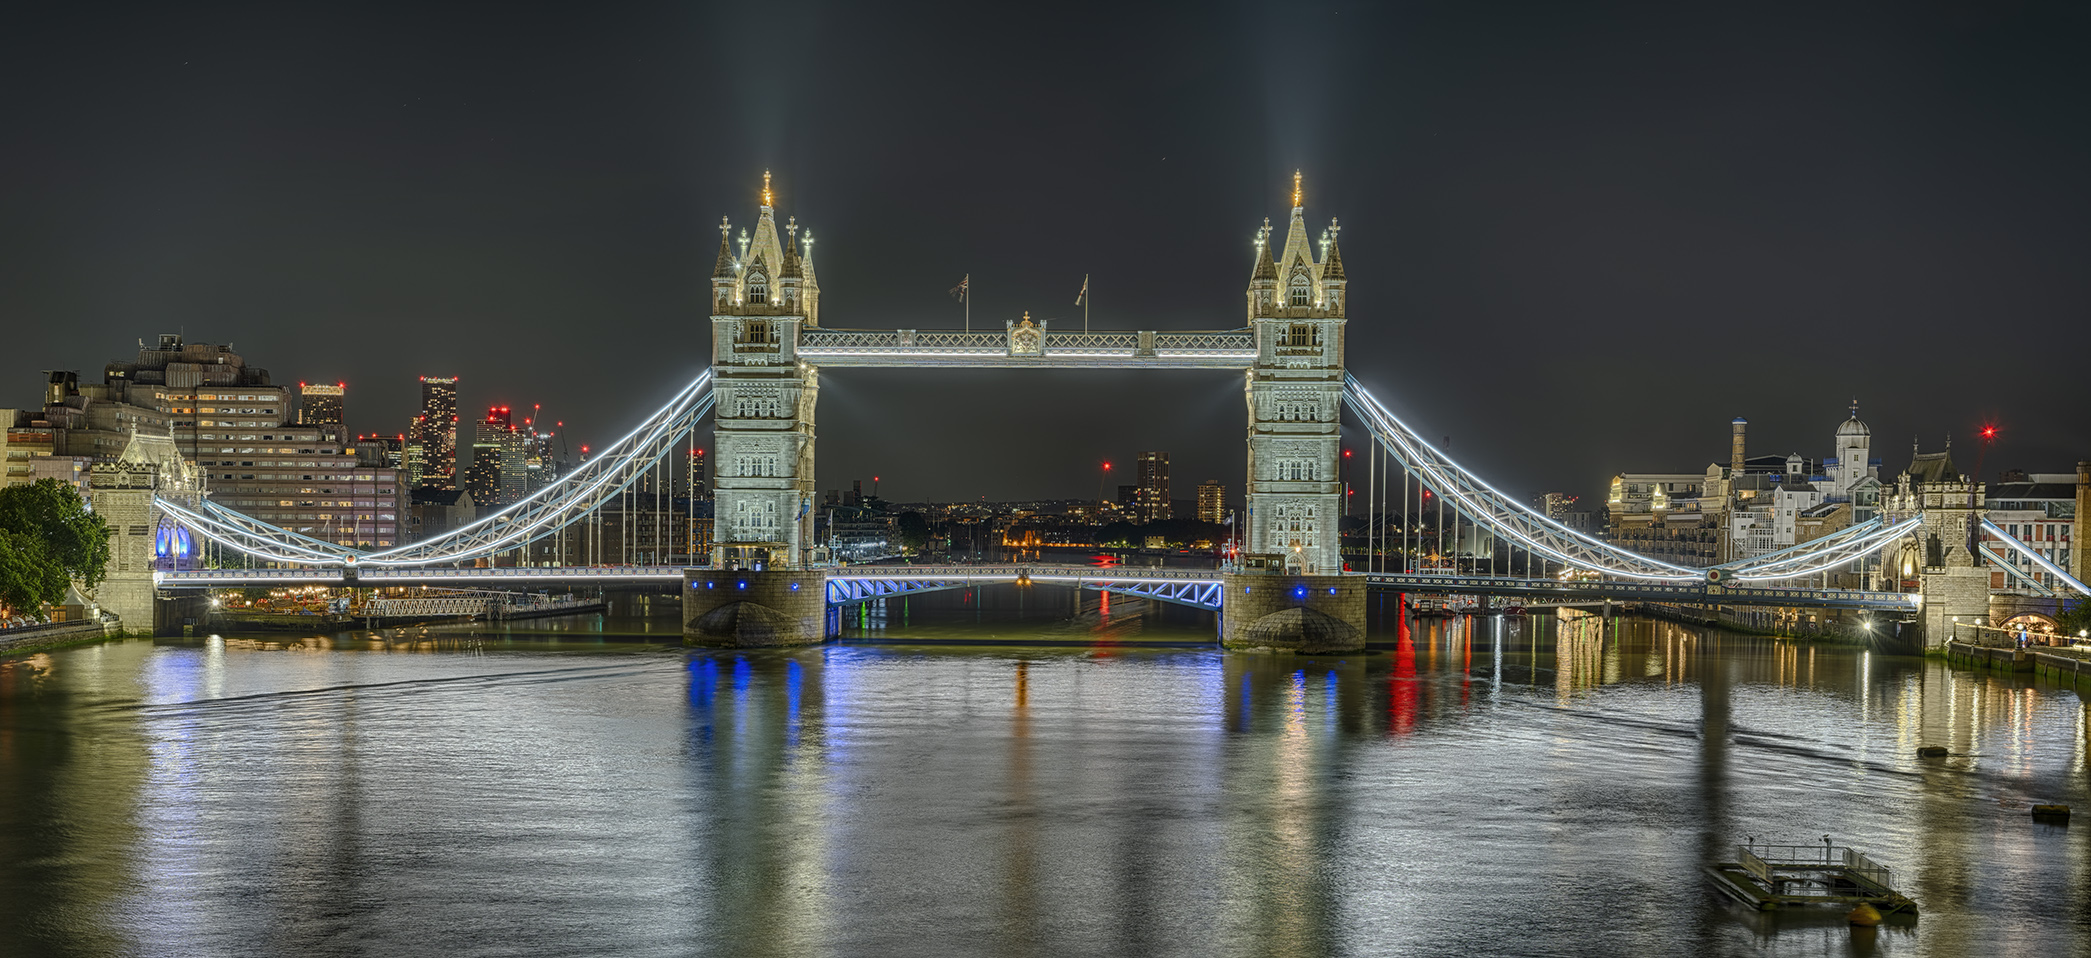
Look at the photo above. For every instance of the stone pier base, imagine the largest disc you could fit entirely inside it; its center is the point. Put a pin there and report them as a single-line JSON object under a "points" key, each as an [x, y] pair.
{"points": [[750, 610], [1293, 613]]}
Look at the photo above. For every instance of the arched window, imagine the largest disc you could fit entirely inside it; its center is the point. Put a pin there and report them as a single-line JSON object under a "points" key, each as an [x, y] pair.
{"points": [[758, 289], [1302, 290]]}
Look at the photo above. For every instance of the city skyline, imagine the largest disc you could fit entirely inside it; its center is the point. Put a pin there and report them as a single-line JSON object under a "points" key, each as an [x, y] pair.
{"points": [[1727, 219]]}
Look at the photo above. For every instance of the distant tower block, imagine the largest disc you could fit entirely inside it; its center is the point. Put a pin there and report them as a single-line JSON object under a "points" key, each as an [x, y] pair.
{"points": [[1735, 447]]}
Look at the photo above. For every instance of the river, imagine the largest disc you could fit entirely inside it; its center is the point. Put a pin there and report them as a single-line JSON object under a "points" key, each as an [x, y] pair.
{"points": [[961, 781]]}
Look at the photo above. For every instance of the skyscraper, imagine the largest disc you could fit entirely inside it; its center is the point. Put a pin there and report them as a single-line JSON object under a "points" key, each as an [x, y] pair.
{"points": [[438, 432], [1212, 501], [321, 405], [491, 441], [1152, 501], [414, 458]]}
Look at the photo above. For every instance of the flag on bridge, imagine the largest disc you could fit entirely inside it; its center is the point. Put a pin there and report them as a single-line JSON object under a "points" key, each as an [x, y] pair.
{"points": [[1084, 294], [959, 292]]}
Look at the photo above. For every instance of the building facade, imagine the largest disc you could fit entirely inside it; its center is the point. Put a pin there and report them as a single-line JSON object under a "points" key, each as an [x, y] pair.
{"points": [[1212, 501], [239, 431], [1151, 497], [763, 485], [323, 405], [435, 429], [1297, 308]]}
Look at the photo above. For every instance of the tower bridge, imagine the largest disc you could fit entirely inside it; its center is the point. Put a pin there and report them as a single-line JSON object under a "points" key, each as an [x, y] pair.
{"points": [[769, 583]]}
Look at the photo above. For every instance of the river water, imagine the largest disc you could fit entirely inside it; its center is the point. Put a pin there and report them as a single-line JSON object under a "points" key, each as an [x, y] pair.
{"points": [[960, 781]]}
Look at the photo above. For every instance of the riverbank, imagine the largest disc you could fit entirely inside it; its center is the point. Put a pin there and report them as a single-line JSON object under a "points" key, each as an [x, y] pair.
{"points": [[2071, 666], [56, 635], [1836, 637]]}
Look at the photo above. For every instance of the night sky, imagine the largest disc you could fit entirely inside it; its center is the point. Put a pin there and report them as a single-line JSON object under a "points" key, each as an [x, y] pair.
{"points": [[1579, 241]]}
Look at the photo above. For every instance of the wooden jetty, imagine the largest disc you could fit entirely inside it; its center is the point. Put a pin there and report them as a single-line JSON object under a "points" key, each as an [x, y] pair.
{"points": [[1769, 877]]}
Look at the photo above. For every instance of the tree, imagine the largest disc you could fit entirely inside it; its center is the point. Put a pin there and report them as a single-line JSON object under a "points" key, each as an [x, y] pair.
{"points": [[913, 531], [48, 537]]}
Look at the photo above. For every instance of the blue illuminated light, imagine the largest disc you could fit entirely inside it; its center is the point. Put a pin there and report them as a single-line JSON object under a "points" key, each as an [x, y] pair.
{"points": [[794, 587], [1299, 592], [1332, 590], [744, 583]]}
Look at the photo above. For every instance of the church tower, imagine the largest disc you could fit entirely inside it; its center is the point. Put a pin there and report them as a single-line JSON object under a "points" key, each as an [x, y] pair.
{"points": [[762, 295], [1296, 306]]}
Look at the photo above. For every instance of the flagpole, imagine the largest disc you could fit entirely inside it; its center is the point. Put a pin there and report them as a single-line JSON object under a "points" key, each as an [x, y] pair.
{"points": [[968, 284], [1085, 304]]}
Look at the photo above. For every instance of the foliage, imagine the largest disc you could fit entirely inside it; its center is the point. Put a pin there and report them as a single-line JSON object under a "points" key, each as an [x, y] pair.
{"points": [[48, 537], [913, 531], [1176, 532], [2076, 618]]}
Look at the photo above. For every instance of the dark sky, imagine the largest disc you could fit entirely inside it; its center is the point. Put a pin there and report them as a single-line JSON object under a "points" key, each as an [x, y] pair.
{"points": [[1580, 238]]}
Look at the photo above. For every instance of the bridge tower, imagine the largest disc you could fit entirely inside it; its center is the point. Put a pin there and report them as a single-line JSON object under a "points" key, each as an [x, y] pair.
{"points": [[1292, 595], [1296, 307], [761, 589], [763, 484], [1938, 560]]}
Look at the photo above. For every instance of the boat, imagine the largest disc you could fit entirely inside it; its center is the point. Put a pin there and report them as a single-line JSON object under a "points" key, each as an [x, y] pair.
{"points": [[1770, 877]]}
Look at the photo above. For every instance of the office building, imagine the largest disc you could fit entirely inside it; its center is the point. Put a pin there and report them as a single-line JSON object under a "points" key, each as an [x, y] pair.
{"points": [[237, 429], [492, 438], [437, 432], [1212, 501], [322, 405], [1152, 499]]}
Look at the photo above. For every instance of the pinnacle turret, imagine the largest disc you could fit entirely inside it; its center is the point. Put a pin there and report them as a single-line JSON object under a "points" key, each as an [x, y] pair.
{"points": [[1332, 261], [723, 268]]}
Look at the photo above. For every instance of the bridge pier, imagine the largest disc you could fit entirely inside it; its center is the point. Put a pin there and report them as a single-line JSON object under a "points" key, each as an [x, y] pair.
{"points": [[734, 609], [1293, 613]]}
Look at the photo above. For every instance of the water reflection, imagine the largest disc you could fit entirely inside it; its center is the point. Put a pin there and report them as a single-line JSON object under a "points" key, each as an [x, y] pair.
{"points": [[1479, 786]]}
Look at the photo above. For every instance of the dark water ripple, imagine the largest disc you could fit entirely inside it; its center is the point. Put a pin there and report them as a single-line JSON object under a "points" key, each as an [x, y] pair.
{"points": [[1534, 790]]}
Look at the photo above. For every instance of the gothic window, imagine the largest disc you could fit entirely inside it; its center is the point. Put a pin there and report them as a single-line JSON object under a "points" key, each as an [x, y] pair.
{"points": [[758, 289], [758, 516], [1335, 298], [1302, 290], [758, 331], [1295, 525], [1303, 335], [1299, 412]]}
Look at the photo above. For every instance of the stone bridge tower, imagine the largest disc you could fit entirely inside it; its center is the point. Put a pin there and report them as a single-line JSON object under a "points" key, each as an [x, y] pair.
{"points": [[763, 481], [1938, 560], [1296, 307]]}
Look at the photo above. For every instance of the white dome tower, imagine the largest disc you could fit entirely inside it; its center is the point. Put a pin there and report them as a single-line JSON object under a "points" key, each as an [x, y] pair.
{"points": [[1854, 447]]}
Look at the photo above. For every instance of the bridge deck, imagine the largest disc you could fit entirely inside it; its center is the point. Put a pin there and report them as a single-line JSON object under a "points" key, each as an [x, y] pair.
{"points": [[1200, 587]]}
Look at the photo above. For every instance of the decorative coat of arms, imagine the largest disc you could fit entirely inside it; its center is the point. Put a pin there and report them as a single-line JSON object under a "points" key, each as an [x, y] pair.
{"points": [[1026, 339]]}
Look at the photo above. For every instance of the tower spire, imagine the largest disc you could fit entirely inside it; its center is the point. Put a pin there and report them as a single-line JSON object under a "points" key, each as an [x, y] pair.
{"points": [[724, 266], [766, 198]]}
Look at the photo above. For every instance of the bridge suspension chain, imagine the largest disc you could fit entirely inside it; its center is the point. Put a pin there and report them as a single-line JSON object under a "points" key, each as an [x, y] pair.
{"points": [[1507, 517], [1502, 514], [538, 515]]}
